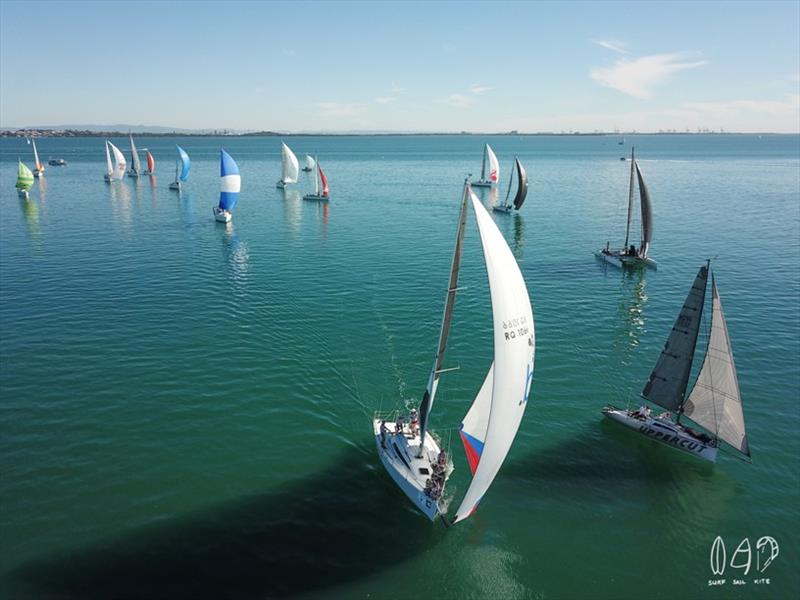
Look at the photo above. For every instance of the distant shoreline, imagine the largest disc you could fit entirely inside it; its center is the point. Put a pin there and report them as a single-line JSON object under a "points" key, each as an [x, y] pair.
{"points": [[56, 133]]}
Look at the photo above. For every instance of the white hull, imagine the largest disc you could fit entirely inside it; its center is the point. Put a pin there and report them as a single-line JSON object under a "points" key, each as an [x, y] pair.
{"points": [[666, 431], [399, 453], [619, 260], [38, 173], [223, 216], [482, 183], [316, 197]]}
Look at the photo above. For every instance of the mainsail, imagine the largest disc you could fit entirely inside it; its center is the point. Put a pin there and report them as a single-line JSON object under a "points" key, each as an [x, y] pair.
{"points": [[630, 203], [291, 167], [37, 164], [24, 177], [647, 214], [670, 377], [136, 166], [119, 162], [450, 299], [230, 181], [715, 402], [493, 421], [522, 185], [109, 167]]}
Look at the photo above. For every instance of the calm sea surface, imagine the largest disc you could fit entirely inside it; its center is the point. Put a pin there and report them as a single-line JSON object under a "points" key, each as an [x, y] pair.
{"points": [[185, 406]]}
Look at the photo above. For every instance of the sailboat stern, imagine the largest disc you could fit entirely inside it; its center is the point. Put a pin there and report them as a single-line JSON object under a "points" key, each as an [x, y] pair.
{"points": [[416, 473]]}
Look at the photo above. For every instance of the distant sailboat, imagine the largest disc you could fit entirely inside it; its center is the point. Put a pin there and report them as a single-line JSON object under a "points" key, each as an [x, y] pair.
{"points": [[116, 172], [309, 166], [182, 167], [136, 166], [714, 402], [631, 256], [416, 462], [522, 188], [24, 180], [151, 163], [290, 166], [320, 185], [493, 175], [230, 184], [38, 167]]}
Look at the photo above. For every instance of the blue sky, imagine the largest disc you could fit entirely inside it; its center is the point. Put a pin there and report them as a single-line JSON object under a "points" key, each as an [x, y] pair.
{"points": [[433, 66]]}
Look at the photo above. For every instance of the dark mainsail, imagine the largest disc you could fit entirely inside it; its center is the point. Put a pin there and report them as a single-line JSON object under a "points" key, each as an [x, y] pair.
{"points": [[647, 214], [522, 185], [670, 377]]}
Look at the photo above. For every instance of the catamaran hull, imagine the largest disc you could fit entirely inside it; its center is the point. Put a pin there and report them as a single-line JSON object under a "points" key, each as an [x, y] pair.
{"points": [[223, 216], [398, 453], [482, 183], [665, 431], [620, 261], [316, 197]]}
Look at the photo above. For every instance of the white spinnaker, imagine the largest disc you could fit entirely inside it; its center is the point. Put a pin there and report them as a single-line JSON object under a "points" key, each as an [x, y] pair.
{"points": [[494, 166], [291, 168], [36, 163], [119, 159], [310, 162], [514, 342], [109, 168]]}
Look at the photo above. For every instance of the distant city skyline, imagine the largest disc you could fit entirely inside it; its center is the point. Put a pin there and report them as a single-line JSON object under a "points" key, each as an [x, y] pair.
{"points": [[403, 67]]}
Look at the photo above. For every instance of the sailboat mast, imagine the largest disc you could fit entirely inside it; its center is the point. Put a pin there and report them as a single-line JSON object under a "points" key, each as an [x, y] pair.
{"points": [[630, 202], [483, 164], [450, 300], [316, 176], [510, 181], [684, 396]]}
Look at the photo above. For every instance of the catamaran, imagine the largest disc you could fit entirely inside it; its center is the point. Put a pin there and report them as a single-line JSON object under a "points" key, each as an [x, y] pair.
{"points": [[631, 256], [151, 163], [116, 172], [290, 167], [714, 402], [320, 185], [415, 460], [182, 168], [230, 184], [522, 189], [309, 166], [38, 167], [136, 166], [493, 176], [24, 180]]}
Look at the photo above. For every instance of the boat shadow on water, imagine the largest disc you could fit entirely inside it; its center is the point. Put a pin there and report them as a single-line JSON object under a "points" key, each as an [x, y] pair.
{"points": [[321, 532]]}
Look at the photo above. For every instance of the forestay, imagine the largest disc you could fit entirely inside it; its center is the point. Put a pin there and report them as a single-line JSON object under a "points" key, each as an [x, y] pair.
{"points": [[495, 423], [715, 402]]}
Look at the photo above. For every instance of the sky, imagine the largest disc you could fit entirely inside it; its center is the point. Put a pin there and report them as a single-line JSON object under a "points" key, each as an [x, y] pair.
{"points": [[403, 66]]}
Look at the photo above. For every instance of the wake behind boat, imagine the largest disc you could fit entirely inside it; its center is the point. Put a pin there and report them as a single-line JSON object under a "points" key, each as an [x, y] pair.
{"points": [[230, 184], [493, 175], [522, 189], [414, 459], [290, 168], [630, 255], [714, 402]]}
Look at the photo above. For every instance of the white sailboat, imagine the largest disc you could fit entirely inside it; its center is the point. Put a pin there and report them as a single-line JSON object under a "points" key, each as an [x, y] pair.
{"points": [[714, 402], [229, 186], [290, 167], [136, 166], [630, 255], [492, 176], [321, 191], [415, 459], [38, 167], [522, 189], [309, 166], [116, 172]]}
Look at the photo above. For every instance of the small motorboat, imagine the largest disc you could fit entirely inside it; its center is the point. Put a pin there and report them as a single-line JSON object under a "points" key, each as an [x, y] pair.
{"points": [[57, 162]]}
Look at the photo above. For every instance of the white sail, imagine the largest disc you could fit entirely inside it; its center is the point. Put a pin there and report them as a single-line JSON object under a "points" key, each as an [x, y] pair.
{"points": [[136, 166], [119, 162], [109, 168], [291, 168], [494, 166], [512, 372], [37, 164], [310, 162], [715, 402]]}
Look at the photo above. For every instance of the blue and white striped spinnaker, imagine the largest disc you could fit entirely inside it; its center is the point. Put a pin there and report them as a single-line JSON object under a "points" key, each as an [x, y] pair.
{"points": [[230, 182]]}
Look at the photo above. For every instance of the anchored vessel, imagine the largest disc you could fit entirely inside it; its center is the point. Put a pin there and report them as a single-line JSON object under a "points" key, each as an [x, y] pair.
{"points": [[714, 402], [493, 176], [414, 459], [522, 188], [182, 167], [320, 185], [630, 255], [230, 184], [290, 167]]}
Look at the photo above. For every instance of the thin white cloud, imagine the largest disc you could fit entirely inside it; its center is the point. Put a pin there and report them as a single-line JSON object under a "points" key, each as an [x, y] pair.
{"points": [[476, 88], [614, 45], [788, 106], [340, 110], [396, 89], [385, 99], [638, 77], [458, 101]]}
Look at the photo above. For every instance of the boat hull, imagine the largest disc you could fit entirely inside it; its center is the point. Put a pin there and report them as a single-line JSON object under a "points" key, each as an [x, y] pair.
{"points": [[482, 183], [133, 174], [502, 209], [622, 261], [665, 431], [38, 173], [23, 193], [316, 197], [223, 216], [281, 184], [398, 453], [175, 185], [306, 170]]}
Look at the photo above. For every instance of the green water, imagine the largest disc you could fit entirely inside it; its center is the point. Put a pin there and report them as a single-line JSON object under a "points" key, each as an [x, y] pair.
{"points": [[186, 405]]}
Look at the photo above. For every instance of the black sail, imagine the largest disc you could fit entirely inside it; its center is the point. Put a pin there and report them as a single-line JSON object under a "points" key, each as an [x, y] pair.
{"points": [[522, 187]]}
